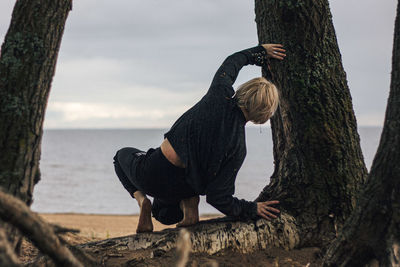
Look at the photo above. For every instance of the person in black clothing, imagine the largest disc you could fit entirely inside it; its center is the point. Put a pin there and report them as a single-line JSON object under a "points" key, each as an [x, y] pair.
{"points": [[204, 149]]}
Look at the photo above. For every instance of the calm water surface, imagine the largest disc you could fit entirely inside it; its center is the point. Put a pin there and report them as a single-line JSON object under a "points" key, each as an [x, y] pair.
{"points": [[78, 173]]}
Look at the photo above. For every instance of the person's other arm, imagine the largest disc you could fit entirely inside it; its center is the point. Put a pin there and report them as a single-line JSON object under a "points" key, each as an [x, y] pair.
{"points": [[227, 73], [219, 194]]}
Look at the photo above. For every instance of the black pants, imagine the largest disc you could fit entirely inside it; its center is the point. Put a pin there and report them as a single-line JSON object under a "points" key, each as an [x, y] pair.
{"points": [[151, 173]]}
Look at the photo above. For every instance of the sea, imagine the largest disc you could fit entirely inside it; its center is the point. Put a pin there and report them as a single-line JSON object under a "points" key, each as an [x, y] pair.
{"points": [[77, 171]]}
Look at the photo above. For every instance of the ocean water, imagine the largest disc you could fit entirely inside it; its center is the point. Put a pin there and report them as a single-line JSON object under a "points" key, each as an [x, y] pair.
{"points": [[78, 173]]}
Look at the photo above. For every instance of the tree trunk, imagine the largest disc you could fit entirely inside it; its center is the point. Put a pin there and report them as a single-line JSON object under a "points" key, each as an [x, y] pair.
{"points": [[319, 165], [27, 65], [372, 233]]}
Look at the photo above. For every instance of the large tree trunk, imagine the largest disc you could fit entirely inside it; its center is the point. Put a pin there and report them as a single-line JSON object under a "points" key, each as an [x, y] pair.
{"points": [[372, 233], [319, 165], [27, 65]]}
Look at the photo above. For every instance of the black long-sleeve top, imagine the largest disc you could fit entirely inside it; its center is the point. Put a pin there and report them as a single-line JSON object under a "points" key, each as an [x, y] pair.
{"points": [[210, 140]]}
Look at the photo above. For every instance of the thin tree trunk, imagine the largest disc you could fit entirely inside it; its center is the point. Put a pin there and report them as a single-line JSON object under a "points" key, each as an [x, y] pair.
{"points": [[372, 233], [27, 65], [319, 166]]}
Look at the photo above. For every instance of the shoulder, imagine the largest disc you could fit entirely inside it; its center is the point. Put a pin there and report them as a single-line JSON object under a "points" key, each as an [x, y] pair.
{"points": [[219, 98]]}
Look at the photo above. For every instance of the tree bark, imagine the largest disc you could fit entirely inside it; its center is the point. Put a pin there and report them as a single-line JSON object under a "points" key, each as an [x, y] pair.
{"points": [[27, 65], [372, 233], [319, 165]]}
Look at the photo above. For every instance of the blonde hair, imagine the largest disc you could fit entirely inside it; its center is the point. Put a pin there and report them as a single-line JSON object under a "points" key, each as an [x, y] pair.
{"points": [[259, 98]]}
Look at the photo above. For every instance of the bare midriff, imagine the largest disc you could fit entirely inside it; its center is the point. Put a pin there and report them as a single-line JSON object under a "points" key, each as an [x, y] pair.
{"points": [[170, 154]]}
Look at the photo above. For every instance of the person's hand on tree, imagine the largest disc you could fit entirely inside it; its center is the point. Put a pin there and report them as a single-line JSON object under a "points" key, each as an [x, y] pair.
{"points": [[264, 210], [275, 51]]}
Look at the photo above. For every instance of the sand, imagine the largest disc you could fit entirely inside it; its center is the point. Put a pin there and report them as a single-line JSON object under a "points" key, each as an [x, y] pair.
{"points": [[103, 226]]}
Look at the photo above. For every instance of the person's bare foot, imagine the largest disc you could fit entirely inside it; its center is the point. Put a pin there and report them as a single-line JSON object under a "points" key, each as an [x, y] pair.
{"points": [[190, 208], [145, 224]]}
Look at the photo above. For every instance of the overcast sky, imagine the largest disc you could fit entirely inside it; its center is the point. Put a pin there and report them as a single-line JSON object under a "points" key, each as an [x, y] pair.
{"points": [[133, 64]]}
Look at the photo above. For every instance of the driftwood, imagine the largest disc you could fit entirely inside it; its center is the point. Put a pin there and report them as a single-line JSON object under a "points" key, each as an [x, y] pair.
{"points": [[208, 237], [211, 237], [41, 234]]}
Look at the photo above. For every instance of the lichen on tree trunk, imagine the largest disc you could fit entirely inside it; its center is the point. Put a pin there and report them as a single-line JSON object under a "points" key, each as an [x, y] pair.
{"points": [[319, 166], [27, 65]]}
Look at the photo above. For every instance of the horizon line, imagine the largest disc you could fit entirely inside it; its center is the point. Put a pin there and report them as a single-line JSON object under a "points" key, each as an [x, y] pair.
{"points": [[163, 128]]}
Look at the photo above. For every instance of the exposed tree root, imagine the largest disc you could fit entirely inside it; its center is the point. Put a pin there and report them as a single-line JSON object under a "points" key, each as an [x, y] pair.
{"points": [[41, 234], [7, 255]]}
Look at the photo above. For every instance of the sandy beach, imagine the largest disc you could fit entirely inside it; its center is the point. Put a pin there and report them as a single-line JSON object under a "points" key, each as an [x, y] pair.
{"points": [[93, 226]]}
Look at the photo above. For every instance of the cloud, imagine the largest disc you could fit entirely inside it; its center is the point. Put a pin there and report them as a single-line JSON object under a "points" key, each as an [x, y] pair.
{"points": [[77, 115], [371, 119], [141, 54], [75, 111], [100, 104], [104, 79], [364, 32]]}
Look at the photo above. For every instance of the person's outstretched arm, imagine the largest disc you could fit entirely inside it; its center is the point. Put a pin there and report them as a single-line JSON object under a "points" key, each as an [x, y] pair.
{"points": [[227, 73]]}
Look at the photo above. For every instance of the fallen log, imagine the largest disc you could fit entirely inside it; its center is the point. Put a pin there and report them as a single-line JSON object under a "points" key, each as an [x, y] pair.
{"points": [[209, 237]]}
